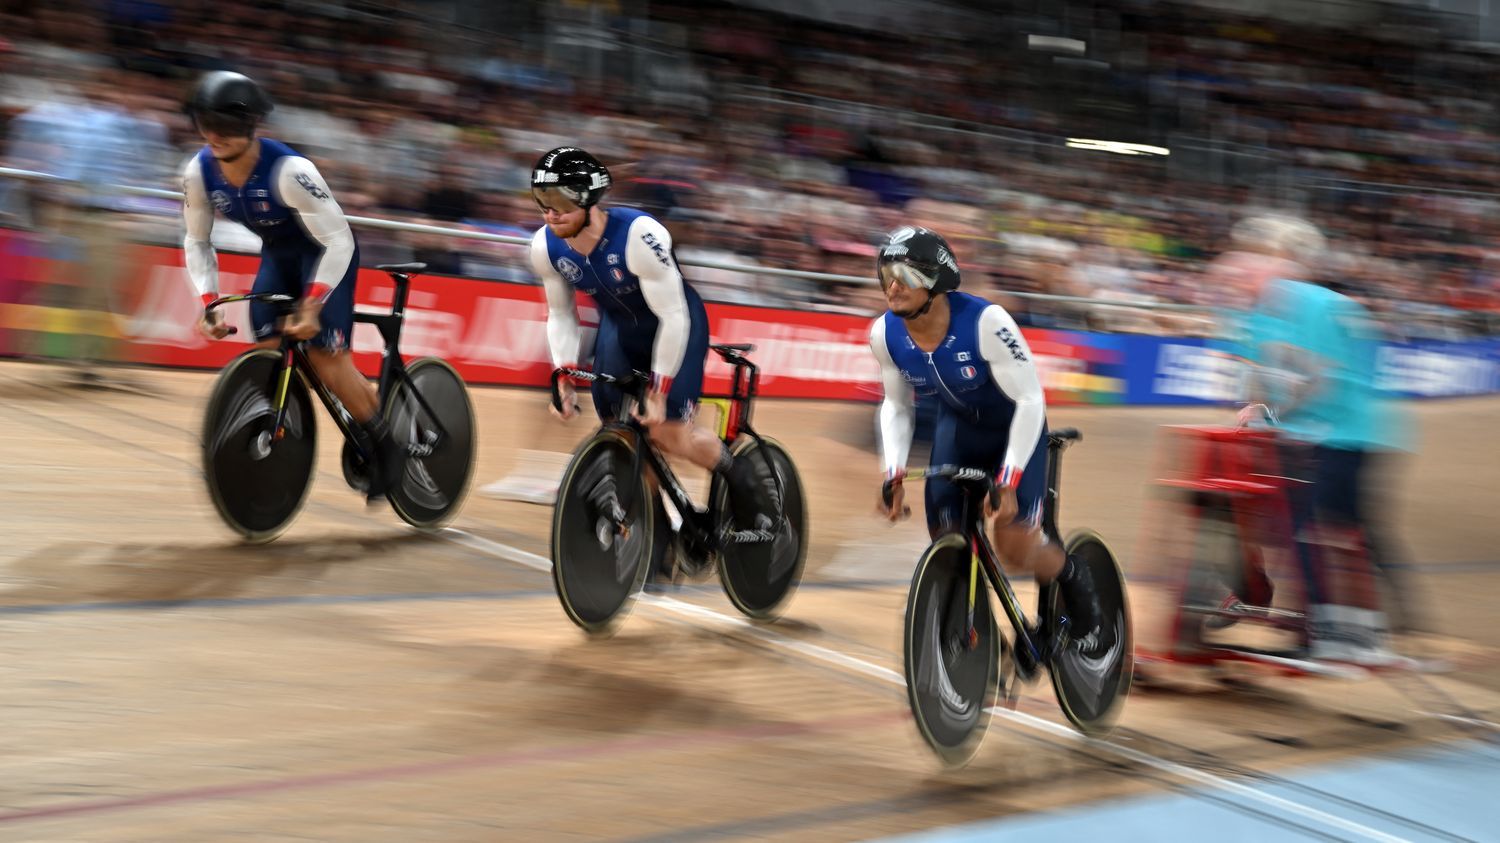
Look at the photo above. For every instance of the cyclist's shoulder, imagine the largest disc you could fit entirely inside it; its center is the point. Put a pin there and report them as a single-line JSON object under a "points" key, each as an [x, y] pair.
{"points": [[628, 216], [192, 166], [982, 312], [272, 149]]}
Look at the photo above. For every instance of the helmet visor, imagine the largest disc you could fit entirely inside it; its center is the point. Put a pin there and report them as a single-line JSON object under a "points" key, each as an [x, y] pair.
{"points": [[225, 123], [907, 274], [558, 199]]}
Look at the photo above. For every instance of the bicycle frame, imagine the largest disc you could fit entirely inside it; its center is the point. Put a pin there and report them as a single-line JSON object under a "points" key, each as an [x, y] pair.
{"points": [[736, 410], [392, 367], [1032, 649]]}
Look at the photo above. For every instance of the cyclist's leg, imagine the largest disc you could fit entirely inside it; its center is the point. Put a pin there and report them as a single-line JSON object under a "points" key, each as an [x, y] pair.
{"points": [[678, 436], [329, 353], [945, 501], [752, 490], [277, 274], [1023, 541], [609, 359]]}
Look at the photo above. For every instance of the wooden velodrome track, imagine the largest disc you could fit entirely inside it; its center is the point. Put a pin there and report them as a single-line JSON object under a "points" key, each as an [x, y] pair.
{"points": [[355, 680]]}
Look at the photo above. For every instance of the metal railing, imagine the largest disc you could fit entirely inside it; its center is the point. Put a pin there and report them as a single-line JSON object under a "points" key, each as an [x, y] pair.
{"points": [[421, 228]]}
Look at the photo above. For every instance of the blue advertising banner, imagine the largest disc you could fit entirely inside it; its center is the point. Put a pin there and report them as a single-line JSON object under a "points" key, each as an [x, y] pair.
{"points": [[1165, 370]]}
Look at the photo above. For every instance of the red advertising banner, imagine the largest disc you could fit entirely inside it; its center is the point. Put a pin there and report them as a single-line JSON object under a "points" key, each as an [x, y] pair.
{"points": [[492, 332]]}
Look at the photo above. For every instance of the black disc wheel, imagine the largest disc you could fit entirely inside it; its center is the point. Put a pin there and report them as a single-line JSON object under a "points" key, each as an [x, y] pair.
{"points": [[602, 529], [1090, 676], [438, 432], [258, 481], [760, 577], [951, 664]]}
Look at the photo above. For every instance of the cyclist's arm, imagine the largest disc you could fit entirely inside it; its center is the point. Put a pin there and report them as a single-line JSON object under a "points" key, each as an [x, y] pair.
{"points": [[563, 334], [1005, 350], [648, 255], [898, 412], [197, 239], [300, 187]]}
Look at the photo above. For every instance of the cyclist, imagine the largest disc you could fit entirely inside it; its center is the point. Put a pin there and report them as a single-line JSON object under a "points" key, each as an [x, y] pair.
{"points": [[307, 249], [650, 320], [968, 355]]}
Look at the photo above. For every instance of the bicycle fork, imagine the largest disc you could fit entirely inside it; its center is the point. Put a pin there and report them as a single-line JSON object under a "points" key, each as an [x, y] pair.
{"points": [[278, 431]]}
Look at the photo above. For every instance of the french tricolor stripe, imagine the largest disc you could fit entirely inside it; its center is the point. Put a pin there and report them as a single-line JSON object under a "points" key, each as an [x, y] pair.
{"points": [[661, 383], [1010, 477]]}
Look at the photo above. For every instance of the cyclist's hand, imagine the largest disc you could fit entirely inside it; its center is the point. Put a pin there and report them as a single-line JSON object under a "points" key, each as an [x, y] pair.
{"points": [[212, 326], [897, 510], [1005, 512], [304, 323], [568, 396], [655, 411]]}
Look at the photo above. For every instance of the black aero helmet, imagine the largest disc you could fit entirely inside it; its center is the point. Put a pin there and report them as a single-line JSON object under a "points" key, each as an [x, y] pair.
{"points": [[919, 258], [228, 103], [567, 178]]}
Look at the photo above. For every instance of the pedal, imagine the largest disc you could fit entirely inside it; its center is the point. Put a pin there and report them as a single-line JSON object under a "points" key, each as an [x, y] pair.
{"points": [[749, 536], [424, 448]]}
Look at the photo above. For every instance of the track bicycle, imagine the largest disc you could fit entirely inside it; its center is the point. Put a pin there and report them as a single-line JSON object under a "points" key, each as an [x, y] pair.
{"points": [[610, 526], [953, 653], [260, 432]]}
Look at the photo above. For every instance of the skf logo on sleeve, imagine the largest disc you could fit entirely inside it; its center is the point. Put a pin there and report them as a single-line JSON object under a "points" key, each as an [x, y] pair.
{"points": [[657, 248], [1012, 343], [311, 186]]}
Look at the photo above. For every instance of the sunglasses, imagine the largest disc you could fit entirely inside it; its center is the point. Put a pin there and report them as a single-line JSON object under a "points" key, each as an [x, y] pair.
{"points": [[907, 274], [554, 199]]}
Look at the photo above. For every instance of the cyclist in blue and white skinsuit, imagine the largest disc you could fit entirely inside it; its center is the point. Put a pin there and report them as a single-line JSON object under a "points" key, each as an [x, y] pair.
{"points": [[969, 356], [650, 320], [307, 249]]}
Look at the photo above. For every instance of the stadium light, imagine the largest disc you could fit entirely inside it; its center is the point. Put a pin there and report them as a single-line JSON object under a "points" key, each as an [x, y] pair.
{"points": [[1118, 147]]}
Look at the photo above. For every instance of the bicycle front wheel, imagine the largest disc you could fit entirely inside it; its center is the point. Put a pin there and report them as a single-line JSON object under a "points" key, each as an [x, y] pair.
{"points": [[951, 672], [599, 564], [1091, 682], [440, 442], [257, 482]]}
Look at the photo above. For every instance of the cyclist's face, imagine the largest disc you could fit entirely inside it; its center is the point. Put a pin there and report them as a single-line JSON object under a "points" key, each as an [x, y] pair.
{"points": [[564, 222], [900, 296], [225, 147]]}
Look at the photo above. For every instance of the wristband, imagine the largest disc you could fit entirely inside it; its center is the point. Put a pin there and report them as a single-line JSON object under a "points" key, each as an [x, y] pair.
{"points": [[1010, 477]]}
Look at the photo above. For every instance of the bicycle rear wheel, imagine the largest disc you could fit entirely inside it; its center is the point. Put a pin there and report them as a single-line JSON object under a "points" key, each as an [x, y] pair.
{"points": [[1091, 686], [258, 484], [597, 567], [436, 479], [758, 578], [950, 677]]}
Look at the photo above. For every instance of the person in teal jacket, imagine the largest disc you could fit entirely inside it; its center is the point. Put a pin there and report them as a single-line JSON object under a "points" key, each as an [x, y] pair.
{"points": [[1313, 355]]}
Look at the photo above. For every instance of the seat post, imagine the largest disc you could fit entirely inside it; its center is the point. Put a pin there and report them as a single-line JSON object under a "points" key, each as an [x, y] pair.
{"points": [[398, 304]]}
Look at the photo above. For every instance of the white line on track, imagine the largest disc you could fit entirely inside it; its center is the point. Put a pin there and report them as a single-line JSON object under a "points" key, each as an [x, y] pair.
{"points": [[848, 662]]}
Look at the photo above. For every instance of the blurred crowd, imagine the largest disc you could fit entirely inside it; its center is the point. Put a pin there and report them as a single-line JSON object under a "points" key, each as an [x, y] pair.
{"points": [[764, 143]]}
